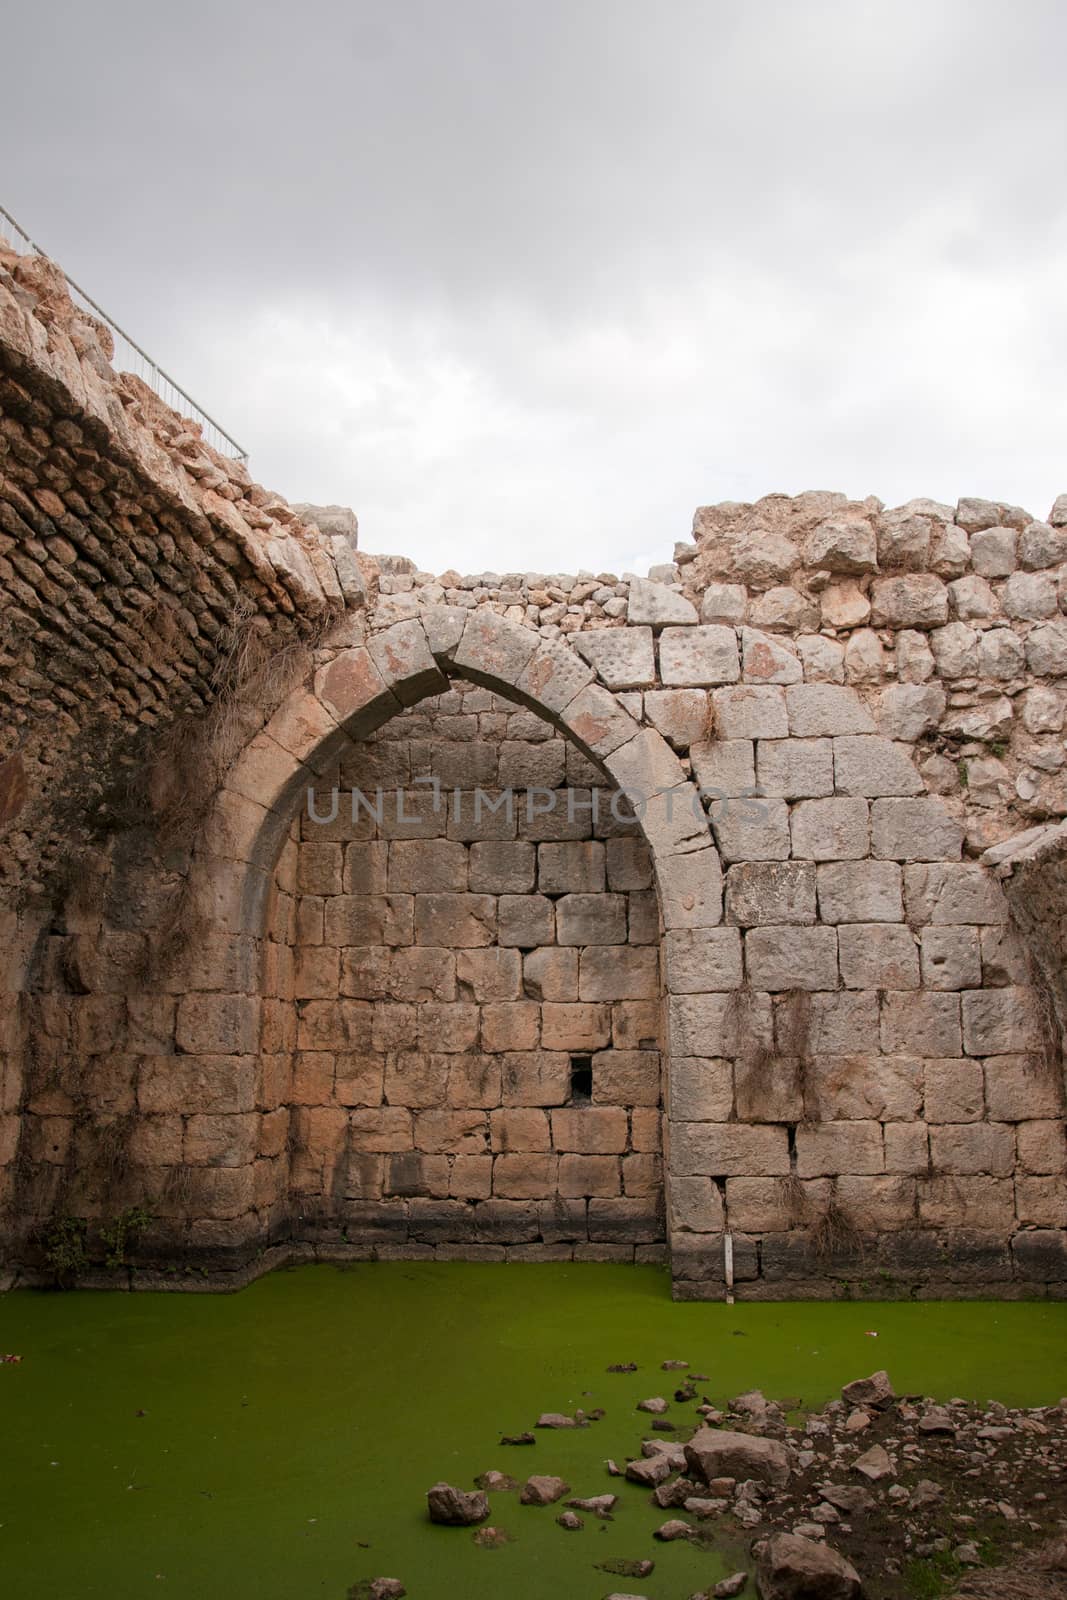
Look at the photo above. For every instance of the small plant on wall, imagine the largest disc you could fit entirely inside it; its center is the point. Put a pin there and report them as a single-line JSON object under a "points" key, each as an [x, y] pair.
{"points": [[118, 1236], [65, 1249]]}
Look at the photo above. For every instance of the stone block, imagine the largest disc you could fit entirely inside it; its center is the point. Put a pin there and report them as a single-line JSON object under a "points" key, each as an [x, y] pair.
{"points": [[526, 921], [921, 1024], [770, 892], [628, 864], [511, 1026], [571, 868], [1019, 1088], [696, 1204], [412, 1173], [727, 1150], [471, 1178], [830, 830], [366, 919], [993, 551], [427, 866], [381, 1130], [646, 1128], [750, 711], [954, 1091], [1046, 649], [781, 958], [1042, 1146], [823, 710], [953, 893], [403, 657], [319, 868], [724, 767], [448, 1026], [358, 1080], [768, 1088], [455, 921], [680, 715], [795, 769], [632, 1221], [767, 659], [915, 600], [415, 1079], [908, 710], [580, 1027], [587, 1176], [551, 974], [869, 765], [597, 722], [1000, 1022], [583, 919], [958, 1148], [702, 960], [411, 974], [1041, 1202], [656, 605], [590, 1130], [365, 867], [519, 1128], [875, 1205], [825, 1149], [474, 1080], [907, 1147], [502, 866], [751, 829], [626, 1078], [852, 1088], [217, 1024], [1040, 1256], [951, 958], [1029, 597], [623, 658], [859, 891], [724, 602], [697, 657], [489, 974], [690, 889], [700, 1089], [527, 765], [451, 1132], [536, 1078], [524, 1176], [914, 830], [624, 973], [836, 1023]]}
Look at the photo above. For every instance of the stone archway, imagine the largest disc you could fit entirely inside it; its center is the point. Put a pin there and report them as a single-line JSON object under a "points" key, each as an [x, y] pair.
{"points": [[354, 692]]}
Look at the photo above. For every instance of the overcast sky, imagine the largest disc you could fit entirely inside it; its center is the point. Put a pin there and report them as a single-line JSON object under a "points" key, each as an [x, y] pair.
{"points": [[524, 283]]}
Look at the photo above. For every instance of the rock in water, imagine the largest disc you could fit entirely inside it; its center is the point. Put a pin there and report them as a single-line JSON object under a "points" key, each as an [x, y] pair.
{"points": [[601, 1505], [495, 1482], [657, 1405], [454, 1508], [387, 1589], [491, 1538], [794, 1568], [555, 1419], [715, 1453], [542, 1491], [518, 1438], [572, 1523], [726, 1588], [675, 1529], [873, 1391]]}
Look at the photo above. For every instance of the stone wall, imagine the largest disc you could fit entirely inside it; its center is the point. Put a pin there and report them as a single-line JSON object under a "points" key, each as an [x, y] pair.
{"points": [[840, 729]]}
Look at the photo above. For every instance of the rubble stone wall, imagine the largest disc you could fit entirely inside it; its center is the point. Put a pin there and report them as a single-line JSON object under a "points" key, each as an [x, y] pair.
{"points": [[840, 729]]}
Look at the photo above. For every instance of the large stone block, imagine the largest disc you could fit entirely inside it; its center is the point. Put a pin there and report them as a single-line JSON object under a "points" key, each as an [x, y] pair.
{"points": [[869, 765], [1042, 1146], [972, 1147], [770, 892], [702, 960], [526, 921], [954, 1091], [551, 974], [767, 659], [795, 769], [524, 1176], [916, 600], [751, 829], [416, 1078], [488, 974], [511, 1026], [502, 866], [724, 767], [710, 1024], [768, 1088], [825, 1149], [821, 710], [698, 657], [623, 658], [1019, 1088], [1000, 1022], [365, 919], [921, 1024], [953, 893], [836, 1023], [581, 1027], [583, 919], [951, 958], [851, 1088], [590, 1130], [571, 868], [403, 657], [626, 1077], [626, 973], [915, 830], [701, 1089], [860, 891], [791, 958], [589, 1176], [830, 830], [474, 1080], [427, 866], [727, 1149], [750, 711], [217, 1024], [690, 889], [456, 921], [519, 1128], [907, 1147], [696, 1205]]}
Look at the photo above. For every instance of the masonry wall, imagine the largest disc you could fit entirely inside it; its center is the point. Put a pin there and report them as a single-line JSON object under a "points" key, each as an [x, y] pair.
{"points": [[841, 728]]}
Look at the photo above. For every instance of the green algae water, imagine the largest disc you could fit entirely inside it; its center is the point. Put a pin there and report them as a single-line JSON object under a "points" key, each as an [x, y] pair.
{"points": [[278, 1443]]}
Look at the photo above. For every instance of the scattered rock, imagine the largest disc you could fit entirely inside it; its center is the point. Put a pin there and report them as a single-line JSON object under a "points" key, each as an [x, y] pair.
{"points": [[555, 1419], [518, 1438], [648, 1471], [936, 1420], [726, 1588], [874, 1391], [619, 1567], [601, 1505], [850, 1497], [623, 1366], [454, 1508], [925, 1493], [794, 1568], [377, 1589], [542, 1490], [873, 1464], [657, 1405], [675, 1529], [572, 1523], [492, 1538], [495, 1482], [673, 1366], [718, 1453]]}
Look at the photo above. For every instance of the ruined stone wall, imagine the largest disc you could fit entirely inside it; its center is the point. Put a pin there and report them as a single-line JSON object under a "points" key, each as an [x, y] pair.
{"points": [[841, 730]]}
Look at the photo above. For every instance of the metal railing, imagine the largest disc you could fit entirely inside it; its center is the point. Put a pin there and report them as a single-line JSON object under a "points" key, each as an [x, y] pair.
{"points": [[129, 351]]}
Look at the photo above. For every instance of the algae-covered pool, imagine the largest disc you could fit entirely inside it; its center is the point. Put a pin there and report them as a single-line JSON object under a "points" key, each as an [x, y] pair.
{"points": [[278, 1443]]}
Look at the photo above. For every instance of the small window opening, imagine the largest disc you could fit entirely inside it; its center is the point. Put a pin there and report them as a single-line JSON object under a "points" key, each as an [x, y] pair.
{"points": [[581, 1080]]}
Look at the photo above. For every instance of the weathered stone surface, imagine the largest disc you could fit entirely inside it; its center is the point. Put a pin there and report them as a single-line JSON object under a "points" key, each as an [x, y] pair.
{"points": [[794, 1568], [699, 656], [623, 658], [721, 1453], [655, 605], [454, 1507]]}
